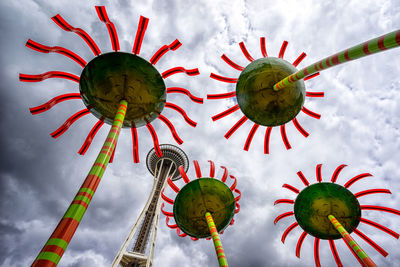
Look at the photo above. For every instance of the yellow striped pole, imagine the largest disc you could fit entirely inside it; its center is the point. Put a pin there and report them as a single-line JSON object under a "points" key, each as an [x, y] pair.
{"points": [[217, 241], [351, 242], [55, 247], [376, 45]]}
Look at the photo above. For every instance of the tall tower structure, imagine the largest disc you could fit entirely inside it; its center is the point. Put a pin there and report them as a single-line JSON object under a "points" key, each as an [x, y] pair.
{"points": [[145, 229]]}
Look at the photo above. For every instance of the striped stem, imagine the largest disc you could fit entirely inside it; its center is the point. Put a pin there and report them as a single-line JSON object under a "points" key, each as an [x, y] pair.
{"points": [[351, 242], [54, 248], [217, 241], [376, 45]]}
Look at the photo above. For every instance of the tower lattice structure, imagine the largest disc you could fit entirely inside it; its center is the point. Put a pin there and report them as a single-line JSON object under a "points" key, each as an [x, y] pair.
{"points": [[145, 228]]}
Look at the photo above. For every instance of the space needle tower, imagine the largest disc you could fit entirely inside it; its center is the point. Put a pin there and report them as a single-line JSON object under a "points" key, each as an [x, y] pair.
{"points": [[143, 233]]}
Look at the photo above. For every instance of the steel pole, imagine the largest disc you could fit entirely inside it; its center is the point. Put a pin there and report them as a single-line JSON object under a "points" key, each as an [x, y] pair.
{"points": [[55, 247], [351, 242], [376, 45], [217, 241]]}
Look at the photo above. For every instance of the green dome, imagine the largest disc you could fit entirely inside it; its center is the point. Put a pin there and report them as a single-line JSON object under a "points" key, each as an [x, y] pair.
{"points": [[196, 198], [111, 77], [317, 201], [259, 101]]}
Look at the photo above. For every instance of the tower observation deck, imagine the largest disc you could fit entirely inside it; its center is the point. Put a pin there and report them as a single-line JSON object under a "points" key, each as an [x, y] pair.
{"points": [[145, 229]]}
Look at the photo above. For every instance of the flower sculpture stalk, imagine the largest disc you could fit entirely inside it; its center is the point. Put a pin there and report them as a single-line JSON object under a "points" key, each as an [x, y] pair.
{"points": [[120, 89], [217, 241], [203, 207], [99, 90], [351, 242], [54, 248], [376, 45]]}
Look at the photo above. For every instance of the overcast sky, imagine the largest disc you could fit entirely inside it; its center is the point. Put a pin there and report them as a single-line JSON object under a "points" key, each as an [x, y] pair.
{"points": [[359, 126]]}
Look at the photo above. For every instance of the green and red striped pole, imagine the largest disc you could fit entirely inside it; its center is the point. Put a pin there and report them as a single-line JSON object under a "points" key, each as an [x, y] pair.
{"points": [[217, 241], [379, 44], [352, 243], [55, 247]]}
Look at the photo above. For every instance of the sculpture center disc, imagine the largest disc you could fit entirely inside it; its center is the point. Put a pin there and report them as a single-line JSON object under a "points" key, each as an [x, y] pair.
{"points": [[111, 77], [317, 201], [195, 199], [259, 101]]}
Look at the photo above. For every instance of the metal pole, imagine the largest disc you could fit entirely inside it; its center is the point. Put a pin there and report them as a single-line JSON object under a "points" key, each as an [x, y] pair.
{"points": [[54, 248], [217, 241], [379, 44], [352, 243]]}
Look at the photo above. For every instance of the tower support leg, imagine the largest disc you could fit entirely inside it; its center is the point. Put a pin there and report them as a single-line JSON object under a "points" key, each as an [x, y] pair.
{"points": [[150, 214]]}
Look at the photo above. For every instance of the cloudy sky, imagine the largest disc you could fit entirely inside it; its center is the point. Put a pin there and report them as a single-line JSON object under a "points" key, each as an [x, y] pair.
{"points": [[359, 126]]}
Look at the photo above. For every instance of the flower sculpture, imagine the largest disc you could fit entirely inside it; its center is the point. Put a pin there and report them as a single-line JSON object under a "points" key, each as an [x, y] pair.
{"points": [[327, 210], [120, 89], [203, 207]]}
